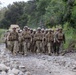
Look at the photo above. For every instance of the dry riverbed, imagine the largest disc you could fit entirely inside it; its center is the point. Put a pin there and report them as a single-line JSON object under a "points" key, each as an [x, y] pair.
{"points": [[36, 64]]}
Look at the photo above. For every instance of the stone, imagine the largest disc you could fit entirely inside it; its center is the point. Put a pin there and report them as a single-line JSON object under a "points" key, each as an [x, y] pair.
{"points": [[22, 68], [27, 73], [3, 73], [11, 74], [3, 67], [15, 71]]}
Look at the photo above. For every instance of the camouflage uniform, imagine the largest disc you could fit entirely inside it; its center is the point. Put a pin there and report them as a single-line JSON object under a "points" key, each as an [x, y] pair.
{"points": [[38, 37], [26, 40], [43, 41], [20, 42], [55, 42], [60, 38], [50, 40], [6, 39], [33, 44], [13, 38]]}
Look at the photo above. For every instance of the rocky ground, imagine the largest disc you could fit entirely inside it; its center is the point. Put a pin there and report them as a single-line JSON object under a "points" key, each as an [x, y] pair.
{"points": [[36, 64]]}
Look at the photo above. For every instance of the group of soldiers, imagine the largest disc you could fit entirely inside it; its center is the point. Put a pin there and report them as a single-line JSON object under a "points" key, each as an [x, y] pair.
{"points": [[37, 41]]}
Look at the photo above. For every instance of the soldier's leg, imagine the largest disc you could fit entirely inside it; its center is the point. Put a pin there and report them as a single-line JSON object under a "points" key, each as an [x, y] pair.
{"points": [[61, 47], [16, 47], [46, 48], [11, 45], [57, 48], [28, 45], [25, 47], [34, 47], [38, 46], [54, 47], [5, 41], [49, 48], [19, 47], [43, 47]]}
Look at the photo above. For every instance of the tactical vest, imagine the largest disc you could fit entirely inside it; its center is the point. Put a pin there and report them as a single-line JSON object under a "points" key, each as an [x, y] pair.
{"points": [[60, 36], [38, 36], [50, 37], [26, 35], [13, 36]]}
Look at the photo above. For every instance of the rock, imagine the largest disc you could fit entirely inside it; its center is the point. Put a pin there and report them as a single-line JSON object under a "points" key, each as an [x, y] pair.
{"points": [[3, 67], [15, 71], [3, 73], [22, 68], [74, 69], [11, 74], [10, 71], [21, 73], [27, 73]]}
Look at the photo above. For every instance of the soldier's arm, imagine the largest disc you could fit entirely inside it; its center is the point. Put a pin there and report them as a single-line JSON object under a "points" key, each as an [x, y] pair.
{"points": [[57, 37], [46, 38]]}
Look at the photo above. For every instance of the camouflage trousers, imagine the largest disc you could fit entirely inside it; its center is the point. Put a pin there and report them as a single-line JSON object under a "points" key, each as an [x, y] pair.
{"points": [[13, 46], [9, 45], [26, 46], [43, 46], [59, 47], [50, 47], [39, 46]]}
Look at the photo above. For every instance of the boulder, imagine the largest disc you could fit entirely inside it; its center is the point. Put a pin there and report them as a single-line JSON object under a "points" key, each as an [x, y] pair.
{"points": [[3, 73]]}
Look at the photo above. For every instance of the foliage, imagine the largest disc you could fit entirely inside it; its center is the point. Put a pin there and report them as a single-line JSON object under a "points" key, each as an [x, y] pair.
{"points": [[44, 13], [70, 36]]}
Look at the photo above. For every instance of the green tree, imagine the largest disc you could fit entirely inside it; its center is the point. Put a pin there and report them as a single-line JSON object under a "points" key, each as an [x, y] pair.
{"points": [[54, 12]]}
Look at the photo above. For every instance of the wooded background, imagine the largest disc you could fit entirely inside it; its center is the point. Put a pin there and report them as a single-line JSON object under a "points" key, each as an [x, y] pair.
{"points": [[43, 13]]}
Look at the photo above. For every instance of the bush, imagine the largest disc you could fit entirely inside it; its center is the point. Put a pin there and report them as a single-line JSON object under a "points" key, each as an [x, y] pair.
{"points": [[70, 37]]}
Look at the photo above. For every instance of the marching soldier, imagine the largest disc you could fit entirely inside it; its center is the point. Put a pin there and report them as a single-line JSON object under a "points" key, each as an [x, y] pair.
{"points": [[13, 38], [55, 42], [6, 39], [26, 40], [38, 37], [43, 41], [33, 44], [50, 40], [60, 38], [20, 41]]}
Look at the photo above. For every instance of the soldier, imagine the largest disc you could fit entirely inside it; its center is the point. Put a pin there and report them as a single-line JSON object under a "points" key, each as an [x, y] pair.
{"points": [[60, 38], [34, 41], [13, 38], [20, 41], [50, 40], [46, 49], [55, 42], [26, 40], [31, 42], [6, 39], [43, 41], [38, 37]]}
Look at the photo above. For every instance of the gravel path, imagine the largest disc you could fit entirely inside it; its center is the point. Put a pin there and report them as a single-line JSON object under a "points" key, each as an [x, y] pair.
{"points": [[41, 64]]}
